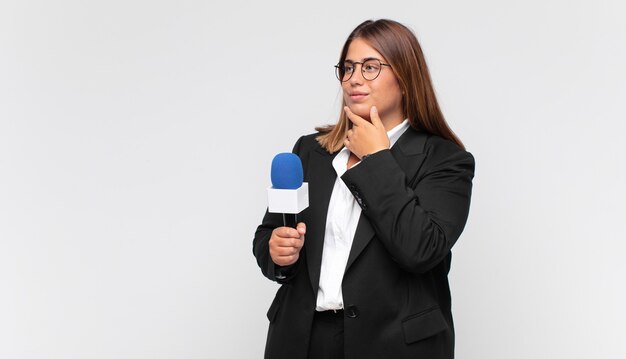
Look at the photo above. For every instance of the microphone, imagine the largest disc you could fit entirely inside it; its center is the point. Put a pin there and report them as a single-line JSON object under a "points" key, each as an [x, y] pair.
{"points": [[288, 195]]}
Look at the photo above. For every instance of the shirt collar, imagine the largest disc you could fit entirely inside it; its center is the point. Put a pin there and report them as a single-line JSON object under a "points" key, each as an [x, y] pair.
{"points": [[395, 133]]}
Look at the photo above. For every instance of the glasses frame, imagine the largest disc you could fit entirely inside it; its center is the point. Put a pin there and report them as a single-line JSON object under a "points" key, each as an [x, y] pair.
{"points": [[338, 69]]}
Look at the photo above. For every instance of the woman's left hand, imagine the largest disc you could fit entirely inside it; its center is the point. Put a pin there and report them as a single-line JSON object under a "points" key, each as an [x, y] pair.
{"points": [[366, 138]]}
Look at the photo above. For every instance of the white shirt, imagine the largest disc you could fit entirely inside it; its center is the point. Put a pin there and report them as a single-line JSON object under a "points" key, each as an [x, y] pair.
{"points": [[341, 222]]}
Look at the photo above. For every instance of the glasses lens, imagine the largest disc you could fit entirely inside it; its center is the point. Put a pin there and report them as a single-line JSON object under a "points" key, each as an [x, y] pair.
{"points": [[371, 69], [339, 72], [344, 72]]}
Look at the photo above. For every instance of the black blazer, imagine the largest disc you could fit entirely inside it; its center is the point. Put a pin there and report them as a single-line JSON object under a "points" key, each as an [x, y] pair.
{"points": [[415, 200]]}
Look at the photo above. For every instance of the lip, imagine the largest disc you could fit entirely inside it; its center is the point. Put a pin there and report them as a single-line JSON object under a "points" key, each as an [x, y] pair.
{"points": [[358, 96]]}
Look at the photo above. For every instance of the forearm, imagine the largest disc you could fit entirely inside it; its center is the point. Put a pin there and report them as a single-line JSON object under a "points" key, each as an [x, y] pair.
{"points": [[418, 224], [261, 250]]}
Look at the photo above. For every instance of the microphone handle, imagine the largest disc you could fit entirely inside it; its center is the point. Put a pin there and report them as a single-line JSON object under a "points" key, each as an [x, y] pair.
{"points": [[290, 220]]}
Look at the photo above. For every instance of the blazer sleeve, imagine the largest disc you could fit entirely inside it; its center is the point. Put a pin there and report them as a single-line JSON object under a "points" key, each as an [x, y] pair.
{"points": [[260, 243], [419, 222]]}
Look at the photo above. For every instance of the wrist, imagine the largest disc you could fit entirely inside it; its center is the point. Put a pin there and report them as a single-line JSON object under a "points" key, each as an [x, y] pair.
{"points": [[368, 154]]}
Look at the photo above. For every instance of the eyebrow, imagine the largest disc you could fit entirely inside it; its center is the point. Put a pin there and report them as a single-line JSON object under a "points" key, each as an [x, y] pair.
{"points": [[364, 59]]}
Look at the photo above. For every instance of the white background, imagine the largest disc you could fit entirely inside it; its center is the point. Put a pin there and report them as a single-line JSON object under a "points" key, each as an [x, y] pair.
{"points": [[136, 139]]}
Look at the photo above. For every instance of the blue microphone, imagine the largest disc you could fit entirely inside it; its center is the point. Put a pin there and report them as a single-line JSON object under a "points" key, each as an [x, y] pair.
{"points": [[288, 194], [287, 171]]}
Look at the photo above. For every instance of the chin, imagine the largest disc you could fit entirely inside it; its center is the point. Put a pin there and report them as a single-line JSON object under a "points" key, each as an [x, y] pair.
{"points": [[361, 109]]}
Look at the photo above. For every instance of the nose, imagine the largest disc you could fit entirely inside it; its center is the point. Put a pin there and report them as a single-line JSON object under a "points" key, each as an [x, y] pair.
{"points": [[357, 77]]}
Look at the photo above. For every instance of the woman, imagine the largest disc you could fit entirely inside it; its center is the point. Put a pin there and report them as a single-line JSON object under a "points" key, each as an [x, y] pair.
{"points": [[389, 195]]}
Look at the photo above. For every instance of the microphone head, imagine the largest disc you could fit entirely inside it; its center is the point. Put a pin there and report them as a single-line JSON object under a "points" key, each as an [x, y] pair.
{"points": [[287, 171]]}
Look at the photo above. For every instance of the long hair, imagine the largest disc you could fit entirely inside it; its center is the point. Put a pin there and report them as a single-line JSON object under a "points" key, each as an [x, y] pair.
{"points": [[399, 46]]}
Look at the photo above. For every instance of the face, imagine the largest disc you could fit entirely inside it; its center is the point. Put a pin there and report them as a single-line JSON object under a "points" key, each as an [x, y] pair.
{"points": [[383, 92]]}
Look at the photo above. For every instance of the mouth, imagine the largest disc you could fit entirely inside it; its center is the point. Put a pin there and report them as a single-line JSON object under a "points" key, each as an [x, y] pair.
{"points": [[358, 96]]}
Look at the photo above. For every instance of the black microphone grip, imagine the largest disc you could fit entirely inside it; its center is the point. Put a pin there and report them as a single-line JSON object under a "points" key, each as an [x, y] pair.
{"points": [[290, 220]]}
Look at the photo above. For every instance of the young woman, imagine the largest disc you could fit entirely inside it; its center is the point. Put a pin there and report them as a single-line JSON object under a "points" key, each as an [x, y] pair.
{"points": [[364, 275]]}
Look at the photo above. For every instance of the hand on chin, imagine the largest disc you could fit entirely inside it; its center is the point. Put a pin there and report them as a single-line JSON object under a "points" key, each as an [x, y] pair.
{"points": [[361, 109]]}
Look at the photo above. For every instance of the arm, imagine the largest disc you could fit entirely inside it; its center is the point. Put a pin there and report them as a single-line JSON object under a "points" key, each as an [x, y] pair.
{"points": [[261, 250], [417, 224], [261, 244]]}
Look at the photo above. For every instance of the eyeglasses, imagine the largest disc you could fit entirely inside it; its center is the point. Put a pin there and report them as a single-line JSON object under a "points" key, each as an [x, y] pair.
{"points": [[370, 69]]}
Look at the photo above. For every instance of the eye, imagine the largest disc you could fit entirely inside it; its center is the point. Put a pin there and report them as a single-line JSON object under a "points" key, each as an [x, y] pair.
{"points": [[371, 67], [348, 68]]}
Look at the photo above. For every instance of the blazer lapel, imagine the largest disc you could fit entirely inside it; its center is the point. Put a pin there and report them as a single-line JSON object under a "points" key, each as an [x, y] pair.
{"points": [[409, 154], [362, 236], [321, 180]]}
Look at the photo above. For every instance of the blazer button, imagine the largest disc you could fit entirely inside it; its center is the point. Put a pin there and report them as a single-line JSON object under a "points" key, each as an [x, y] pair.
{"points": [[352, 311]]}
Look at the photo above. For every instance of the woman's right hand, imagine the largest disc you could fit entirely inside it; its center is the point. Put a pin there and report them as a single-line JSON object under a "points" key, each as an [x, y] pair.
{"points": [[286, 243]]}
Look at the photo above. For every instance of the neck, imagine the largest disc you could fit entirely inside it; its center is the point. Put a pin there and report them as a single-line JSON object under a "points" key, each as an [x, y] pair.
{"points": [[391, 121]]}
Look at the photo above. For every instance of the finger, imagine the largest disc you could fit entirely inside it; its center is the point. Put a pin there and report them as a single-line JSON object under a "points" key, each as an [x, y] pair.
{"points": [[286, 251], [301, 228], [286, 260], [376, 121], [286, 232], [288, 243], [298, 244], [356, 119]]}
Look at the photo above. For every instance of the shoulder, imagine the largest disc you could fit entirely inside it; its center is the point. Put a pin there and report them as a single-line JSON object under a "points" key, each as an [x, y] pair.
{"points": [[307, 143], [438, 146], [439, 152]]}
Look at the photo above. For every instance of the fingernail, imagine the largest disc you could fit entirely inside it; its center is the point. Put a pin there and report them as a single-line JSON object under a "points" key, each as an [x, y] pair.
{"points": [[374, 109]]}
